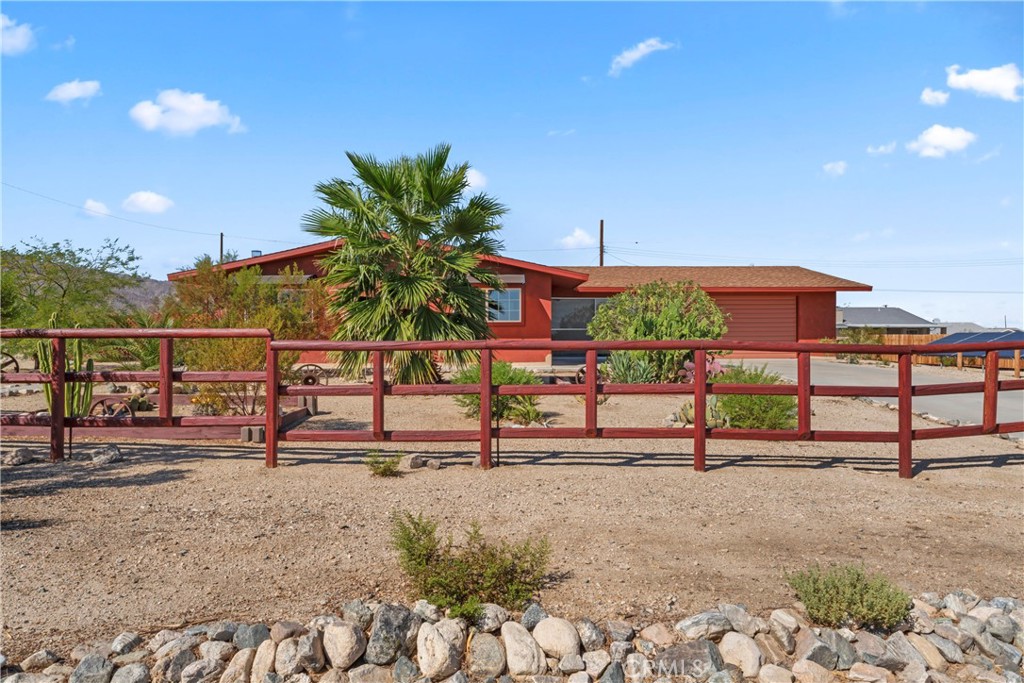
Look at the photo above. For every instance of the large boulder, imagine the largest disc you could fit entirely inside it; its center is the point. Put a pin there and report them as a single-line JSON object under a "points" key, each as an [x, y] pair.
{"points": [[741, 650], [711, 625], [557, 637], [203, 671], [344, 643], [522, 653], [699, 659], [393, 633], [132, 673], [263, 661], [486, 656], [812, 648], [240, 667], [94, 668], [437, 658]]}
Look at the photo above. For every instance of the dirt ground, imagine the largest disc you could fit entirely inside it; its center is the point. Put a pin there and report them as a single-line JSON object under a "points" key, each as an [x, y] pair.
{"points": [[185, 533]]}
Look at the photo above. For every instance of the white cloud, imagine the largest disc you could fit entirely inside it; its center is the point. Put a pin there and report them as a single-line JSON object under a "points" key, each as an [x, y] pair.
{"points": [[631, 56], [835, 168], [66, 93], [938, 141], [15, 38], [934, 98], [988, 156], [999, 81], [577, 238], [176, 112], [95, 208], [66, 44], [876, 150], [476, 180], [145, 201]]}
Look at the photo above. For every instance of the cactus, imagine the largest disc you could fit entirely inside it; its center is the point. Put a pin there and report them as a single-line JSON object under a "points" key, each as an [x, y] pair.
{"points": [[77, 395], [714, 415]]}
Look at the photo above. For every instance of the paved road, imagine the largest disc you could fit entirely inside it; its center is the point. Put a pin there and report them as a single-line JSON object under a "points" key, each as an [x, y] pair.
{"points": [[962, 407]]}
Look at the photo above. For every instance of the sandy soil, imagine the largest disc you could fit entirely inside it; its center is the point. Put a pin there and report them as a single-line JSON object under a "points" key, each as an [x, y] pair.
{"points": [[182, 532]]}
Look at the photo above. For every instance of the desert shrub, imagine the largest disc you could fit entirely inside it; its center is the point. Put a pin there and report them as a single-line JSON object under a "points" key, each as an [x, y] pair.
{"points": [[209, 402], [629, 367], [860, 335], [747, 411], [381, 465], [660, 311], [461, 577], [517, 409], [848, 596]]}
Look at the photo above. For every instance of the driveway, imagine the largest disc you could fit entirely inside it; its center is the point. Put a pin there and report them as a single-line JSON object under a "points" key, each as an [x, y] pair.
{"points": [[962, 407]]}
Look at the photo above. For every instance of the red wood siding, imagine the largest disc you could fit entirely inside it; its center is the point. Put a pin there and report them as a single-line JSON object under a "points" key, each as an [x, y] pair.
{"points": [[759, 317]]}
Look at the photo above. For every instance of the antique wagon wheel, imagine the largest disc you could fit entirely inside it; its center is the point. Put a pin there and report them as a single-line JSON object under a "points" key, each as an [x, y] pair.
{"points": [[8, 363], [311, 375], [111, 407]]}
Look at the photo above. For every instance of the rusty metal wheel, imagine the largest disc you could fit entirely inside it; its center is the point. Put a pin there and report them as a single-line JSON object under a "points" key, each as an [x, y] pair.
{"points": [[111, 407], [8, 363], [311, 375]]}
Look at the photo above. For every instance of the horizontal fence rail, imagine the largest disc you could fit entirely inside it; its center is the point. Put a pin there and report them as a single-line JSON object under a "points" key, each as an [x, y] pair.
{"points": [[278, 427]]}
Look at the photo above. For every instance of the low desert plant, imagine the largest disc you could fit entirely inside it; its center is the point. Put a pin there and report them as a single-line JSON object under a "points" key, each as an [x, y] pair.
{"points": [[847, 596], [462, 577], [517, 409], [747, 411], [381, 465], [629, 367]]}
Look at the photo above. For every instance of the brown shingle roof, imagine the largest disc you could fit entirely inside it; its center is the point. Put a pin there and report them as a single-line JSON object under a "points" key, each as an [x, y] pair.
{"points": [[715, 277]]}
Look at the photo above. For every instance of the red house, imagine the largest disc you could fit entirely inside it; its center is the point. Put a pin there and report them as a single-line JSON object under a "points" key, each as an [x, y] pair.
{"points": [[765, 303]]}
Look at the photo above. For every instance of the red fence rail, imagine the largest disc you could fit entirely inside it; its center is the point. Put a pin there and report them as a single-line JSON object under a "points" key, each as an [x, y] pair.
{"points": [[277, 429]]}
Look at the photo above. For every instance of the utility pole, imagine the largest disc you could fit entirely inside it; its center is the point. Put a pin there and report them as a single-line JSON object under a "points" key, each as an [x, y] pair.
{"points": [[221, 248], [601, 241]]}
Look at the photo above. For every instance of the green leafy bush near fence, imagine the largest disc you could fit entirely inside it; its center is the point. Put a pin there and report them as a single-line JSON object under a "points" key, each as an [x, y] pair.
{"points": [[848, 596], [462, 577], [381, 465], [518, 409], [755, 411]]}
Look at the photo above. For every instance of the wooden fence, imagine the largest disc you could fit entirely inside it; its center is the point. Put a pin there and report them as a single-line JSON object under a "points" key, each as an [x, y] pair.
{"points": [[957, 360], [278, 430]]}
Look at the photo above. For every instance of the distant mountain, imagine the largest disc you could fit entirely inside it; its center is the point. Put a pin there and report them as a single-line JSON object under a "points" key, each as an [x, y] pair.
{"points": [[147, 294]]}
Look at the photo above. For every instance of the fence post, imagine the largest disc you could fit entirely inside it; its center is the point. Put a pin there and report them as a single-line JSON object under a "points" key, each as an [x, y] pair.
{"points": [[166, 406], [803, 395], [57, 399], [591, 409], [378, 395], [700, 392], [1016, 363], [905, 415], [988, 414], [485, 409], [272, 412]]}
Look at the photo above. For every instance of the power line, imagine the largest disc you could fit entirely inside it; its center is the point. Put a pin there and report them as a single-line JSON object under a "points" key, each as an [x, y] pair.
{"points": [[144, 223], [951, 291]]}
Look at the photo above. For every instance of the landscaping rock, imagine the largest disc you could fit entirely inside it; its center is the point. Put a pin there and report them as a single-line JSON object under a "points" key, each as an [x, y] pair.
{"points": [[557, 637], [947, 648], [203, 671], [570, 664], [169, 667], [661, 634], [282, 630], [460, 677], [97, 647], [393, 633], [770, 673], [1002, 627], [39, 660], [524, 656], [742, 651], [344, 643], [596, 661], [428, 612], [613, 674], [810, 647], [932, 657], [737, 616], [356, 612], [847, 654], [486, 656], [311, 652], [404, 671], [216, 649], [866, 673], [781, 631], [263, 661], [125, 643], [869, 646], [133, 673], [620, 630], [437, 658], [240, 667], [772, 650], [454, 632], [808, 671], [19, 456], [106, 454], [162, 638], [94, 668], [221, 630], [250, 635], [619, 650], [286, 661], [699, 659], [369, 673], [580, 677], [491, 617], [532, 616], [898, 653], [712, 625]]}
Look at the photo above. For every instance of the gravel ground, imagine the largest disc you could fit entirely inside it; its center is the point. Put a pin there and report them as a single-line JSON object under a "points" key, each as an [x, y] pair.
{"points": [[185, 532]]}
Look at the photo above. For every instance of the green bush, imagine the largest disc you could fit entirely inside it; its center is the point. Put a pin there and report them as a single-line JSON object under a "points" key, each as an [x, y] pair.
{"points": [[660, 311], [847, 596], [630, 367], [747, 411], [384, 466], [518, 409], [460, 578]]}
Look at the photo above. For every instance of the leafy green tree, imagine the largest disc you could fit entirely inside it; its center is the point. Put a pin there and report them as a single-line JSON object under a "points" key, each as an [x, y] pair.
{"points": [[660, 311], [77, 284], [410, 248]]}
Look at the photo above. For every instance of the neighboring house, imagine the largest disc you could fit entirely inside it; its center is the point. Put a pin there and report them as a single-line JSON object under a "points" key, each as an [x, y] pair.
{"points": [[953, 328], [765, 303], [889, 319]]}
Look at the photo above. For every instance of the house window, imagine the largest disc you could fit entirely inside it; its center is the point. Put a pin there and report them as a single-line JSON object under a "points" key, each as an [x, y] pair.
{"points": [[506, 306]]}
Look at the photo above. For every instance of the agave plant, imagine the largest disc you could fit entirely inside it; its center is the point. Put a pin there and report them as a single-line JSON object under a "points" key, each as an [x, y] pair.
{"points": [[410, 242]]}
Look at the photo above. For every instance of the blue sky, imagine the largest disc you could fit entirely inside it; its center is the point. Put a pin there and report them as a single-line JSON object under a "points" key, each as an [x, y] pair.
{"points": [[703, 134]]}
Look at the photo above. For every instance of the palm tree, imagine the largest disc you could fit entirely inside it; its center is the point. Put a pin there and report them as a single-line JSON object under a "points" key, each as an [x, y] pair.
{"points": [[410, 248]]}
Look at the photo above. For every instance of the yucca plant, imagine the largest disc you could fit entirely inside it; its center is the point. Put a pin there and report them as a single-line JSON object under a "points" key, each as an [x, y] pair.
{"points": [[409, 250], [77, 395]]}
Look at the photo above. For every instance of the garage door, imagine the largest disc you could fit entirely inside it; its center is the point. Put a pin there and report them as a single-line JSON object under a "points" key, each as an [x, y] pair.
{"points": [[759, 318]]}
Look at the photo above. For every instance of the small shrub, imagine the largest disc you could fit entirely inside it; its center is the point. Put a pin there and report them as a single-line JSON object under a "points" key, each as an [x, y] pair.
{"points": [[511, 408], [747, 411], [860, 335], [847, 596], [460, 578], [384, 466], [630, 367], [209, 402]]}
